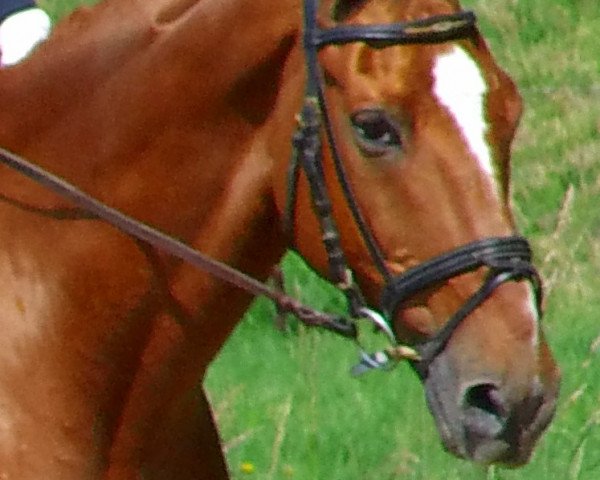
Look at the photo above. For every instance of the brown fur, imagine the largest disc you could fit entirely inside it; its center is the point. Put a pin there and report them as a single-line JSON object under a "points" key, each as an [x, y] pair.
{"points": [[180, 113]]}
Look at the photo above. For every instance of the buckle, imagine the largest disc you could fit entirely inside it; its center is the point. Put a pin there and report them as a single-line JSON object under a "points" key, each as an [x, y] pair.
{"points": [[386, 357]]}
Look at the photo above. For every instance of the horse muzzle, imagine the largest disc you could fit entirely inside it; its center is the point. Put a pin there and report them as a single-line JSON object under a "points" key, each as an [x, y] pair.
{"points": [[485, 420], [487, 410]]}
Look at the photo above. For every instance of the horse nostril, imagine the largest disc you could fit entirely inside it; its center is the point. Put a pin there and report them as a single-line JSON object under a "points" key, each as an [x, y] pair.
{"points": [[484, 409], [485, 397]]}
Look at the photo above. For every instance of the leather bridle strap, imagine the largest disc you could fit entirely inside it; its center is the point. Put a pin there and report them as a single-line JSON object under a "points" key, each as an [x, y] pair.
{"points": [[315, 99], [506, 258], [174, 247], [497, 253], [433, 346], [434, 29], [307, 152]]}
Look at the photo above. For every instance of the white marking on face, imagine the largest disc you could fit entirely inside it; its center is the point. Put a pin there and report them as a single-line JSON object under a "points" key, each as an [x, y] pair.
{"points": [[535, 315], [460, 86]]}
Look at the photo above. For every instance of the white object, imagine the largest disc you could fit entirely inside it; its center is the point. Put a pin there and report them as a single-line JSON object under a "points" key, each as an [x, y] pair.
{"points": [[21, 32], [461, 88]]}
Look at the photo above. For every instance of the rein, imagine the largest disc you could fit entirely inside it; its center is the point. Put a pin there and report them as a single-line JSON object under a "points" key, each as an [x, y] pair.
{"points": [[174, 247]]}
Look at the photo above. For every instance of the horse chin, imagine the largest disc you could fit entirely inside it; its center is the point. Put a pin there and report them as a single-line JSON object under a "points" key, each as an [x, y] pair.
{"points": [[506, 439]]}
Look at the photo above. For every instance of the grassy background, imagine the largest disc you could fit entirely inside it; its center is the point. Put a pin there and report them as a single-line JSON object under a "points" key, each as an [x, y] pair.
{"points": [[284, 402]]}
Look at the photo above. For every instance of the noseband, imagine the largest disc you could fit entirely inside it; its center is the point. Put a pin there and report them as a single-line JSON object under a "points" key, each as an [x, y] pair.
{"points": [[506, 258]]}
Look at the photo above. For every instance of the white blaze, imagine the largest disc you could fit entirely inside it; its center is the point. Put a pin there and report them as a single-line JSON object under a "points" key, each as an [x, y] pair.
{"points": [[461, 88], [536, 317]]}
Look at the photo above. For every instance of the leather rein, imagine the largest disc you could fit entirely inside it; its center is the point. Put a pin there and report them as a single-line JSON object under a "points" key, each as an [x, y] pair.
{"points": [[507, 258]]}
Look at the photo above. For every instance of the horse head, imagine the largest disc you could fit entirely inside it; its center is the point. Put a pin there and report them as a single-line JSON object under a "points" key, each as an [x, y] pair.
{"points": [[422, 129], [405, 143]]}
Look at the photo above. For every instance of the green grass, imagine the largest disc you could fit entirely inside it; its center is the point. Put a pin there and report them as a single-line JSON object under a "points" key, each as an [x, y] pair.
{"points": [[59, 8], [285, 402]]}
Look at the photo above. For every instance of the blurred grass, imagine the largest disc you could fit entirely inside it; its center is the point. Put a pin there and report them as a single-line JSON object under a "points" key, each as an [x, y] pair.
{"points": [[59, 8], [285, 403]]}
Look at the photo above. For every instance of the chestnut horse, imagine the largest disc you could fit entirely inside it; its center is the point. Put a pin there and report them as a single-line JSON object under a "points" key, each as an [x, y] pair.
{"points": [[180, 113]]}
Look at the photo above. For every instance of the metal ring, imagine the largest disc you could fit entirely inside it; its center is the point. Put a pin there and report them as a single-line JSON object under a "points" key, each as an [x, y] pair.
{"points": [[380, 322]]}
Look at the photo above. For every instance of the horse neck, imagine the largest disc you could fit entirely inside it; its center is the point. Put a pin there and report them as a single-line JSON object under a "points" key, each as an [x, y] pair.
{"points": [[186, 105], [172, 130]]}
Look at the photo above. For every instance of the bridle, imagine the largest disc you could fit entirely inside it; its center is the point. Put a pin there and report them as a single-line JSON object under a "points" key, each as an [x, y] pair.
{"points": [[507, 258]]}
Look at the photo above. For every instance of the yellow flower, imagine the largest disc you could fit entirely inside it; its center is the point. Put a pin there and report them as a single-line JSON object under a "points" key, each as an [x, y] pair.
{"points": [[247, 468]]}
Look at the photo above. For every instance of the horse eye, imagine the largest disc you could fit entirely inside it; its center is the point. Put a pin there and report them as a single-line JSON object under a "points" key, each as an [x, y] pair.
{"points": [[376, 133]]}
